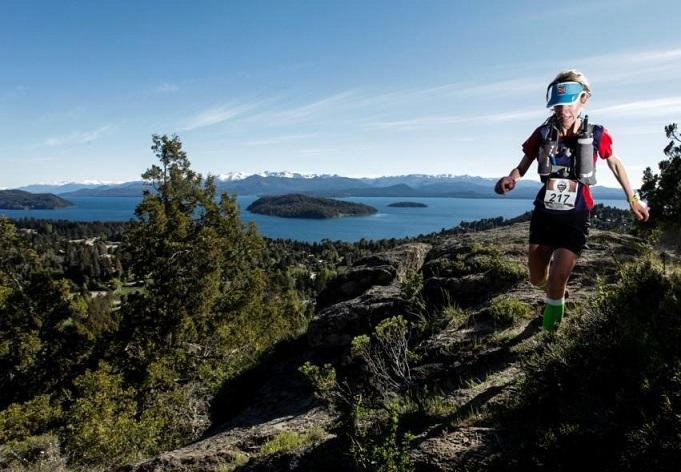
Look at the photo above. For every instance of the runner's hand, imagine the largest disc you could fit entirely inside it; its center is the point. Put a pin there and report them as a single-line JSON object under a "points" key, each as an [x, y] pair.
{"points": [[504, 184], [640, 210]]}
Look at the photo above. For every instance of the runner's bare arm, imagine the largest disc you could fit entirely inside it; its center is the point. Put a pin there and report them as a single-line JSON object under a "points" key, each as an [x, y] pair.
{"points": [[506, 184], [617, 168], [522, 167]]}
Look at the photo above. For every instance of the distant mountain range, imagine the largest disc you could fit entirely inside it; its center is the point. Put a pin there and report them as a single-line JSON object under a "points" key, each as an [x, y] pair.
{"points": [[325, 185]]}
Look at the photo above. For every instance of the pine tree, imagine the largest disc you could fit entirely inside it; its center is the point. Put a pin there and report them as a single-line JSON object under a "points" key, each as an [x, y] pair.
{"points": [[204, 287], [663, 190]]}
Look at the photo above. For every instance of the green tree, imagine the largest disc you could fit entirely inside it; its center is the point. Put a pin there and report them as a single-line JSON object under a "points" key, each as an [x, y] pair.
{"points": [[198, 261], [208, 307], [663, 190], [44, 332]]}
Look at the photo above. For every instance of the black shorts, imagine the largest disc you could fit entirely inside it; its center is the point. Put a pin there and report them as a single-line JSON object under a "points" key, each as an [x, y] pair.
{"points": [[567, 231]]}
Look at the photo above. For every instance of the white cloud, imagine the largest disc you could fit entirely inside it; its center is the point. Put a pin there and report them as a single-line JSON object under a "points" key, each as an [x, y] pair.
{"points": [[447, 120], [78, 137], [627, 58], [636, 129], [327, 105], [216, 115], [669, 106], [656, 64], [510, 89], [500, 87]]}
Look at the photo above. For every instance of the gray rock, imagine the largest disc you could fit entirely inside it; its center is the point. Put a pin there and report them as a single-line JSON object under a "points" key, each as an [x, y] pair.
{"points": [[355, 302], [325, 456], [355, 282], [378, 269], [455, 450], [338, 324], [464, 291], [237, 444]]}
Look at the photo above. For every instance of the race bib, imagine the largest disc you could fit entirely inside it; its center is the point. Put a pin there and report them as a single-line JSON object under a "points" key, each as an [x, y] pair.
{"points": [[561, 194]]}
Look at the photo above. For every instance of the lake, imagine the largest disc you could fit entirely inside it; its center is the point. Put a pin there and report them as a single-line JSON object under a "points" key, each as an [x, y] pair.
{"points": [[389, 222]]}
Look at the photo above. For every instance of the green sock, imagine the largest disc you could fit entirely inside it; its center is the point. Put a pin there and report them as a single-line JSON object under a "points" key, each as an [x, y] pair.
{"points": [[553, 313]]}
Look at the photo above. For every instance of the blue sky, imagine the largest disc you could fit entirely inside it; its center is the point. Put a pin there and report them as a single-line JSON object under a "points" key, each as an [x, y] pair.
{"points": [[358, 88]]}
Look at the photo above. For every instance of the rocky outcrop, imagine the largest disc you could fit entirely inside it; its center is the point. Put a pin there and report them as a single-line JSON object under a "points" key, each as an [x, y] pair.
{"points": [[468, 274], [338, 324], [369, 292], [378, 269]]}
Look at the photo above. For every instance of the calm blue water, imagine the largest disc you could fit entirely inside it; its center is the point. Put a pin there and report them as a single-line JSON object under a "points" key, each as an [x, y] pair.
{"points": [[389, 222]]}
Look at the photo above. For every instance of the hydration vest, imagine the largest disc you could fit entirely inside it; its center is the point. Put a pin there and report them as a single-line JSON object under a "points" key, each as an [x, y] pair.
{"points": [[559, 160]]}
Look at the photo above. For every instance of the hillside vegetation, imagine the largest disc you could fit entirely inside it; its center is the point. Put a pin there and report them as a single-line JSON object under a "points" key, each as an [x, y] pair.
{"points": [[185, 341]]}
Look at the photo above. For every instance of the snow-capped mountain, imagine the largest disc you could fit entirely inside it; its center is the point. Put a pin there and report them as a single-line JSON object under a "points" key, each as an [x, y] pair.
{"points": [[232, 176], [284, 182], [236, 175]]}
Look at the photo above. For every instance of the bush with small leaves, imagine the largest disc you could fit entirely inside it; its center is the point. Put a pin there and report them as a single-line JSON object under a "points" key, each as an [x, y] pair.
{"points": [[387, 451], [323, 379], [506, 311], [101, 427], [24, 431]]}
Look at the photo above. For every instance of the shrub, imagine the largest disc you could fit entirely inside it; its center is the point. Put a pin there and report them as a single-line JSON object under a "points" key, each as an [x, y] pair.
{"points": [[411, 290], [454, 314], [506, 311], [386, 357], [22, 434], [101, 427], [387, 451], [503, 273], [26, 419], [499, 272], [175, 415], [368, 408], [33, 453], [323, 379]]}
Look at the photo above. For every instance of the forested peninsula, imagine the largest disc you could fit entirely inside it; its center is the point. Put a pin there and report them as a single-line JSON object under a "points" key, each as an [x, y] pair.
{"points": [[302, 206], [20, 200]]}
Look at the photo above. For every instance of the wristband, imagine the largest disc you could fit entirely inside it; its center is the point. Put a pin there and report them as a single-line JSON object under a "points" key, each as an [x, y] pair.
{"points": [[634, 198]]}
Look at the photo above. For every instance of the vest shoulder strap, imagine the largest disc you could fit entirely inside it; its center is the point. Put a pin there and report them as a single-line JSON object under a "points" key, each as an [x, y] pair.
{"points": [[545, 132], [597, 131], [546, 128]]}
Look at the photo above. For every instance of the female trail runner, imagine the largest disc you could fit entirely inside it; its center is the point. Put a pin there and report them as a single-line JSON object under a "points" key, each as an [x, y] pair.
{"points": [[566, 148]]}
